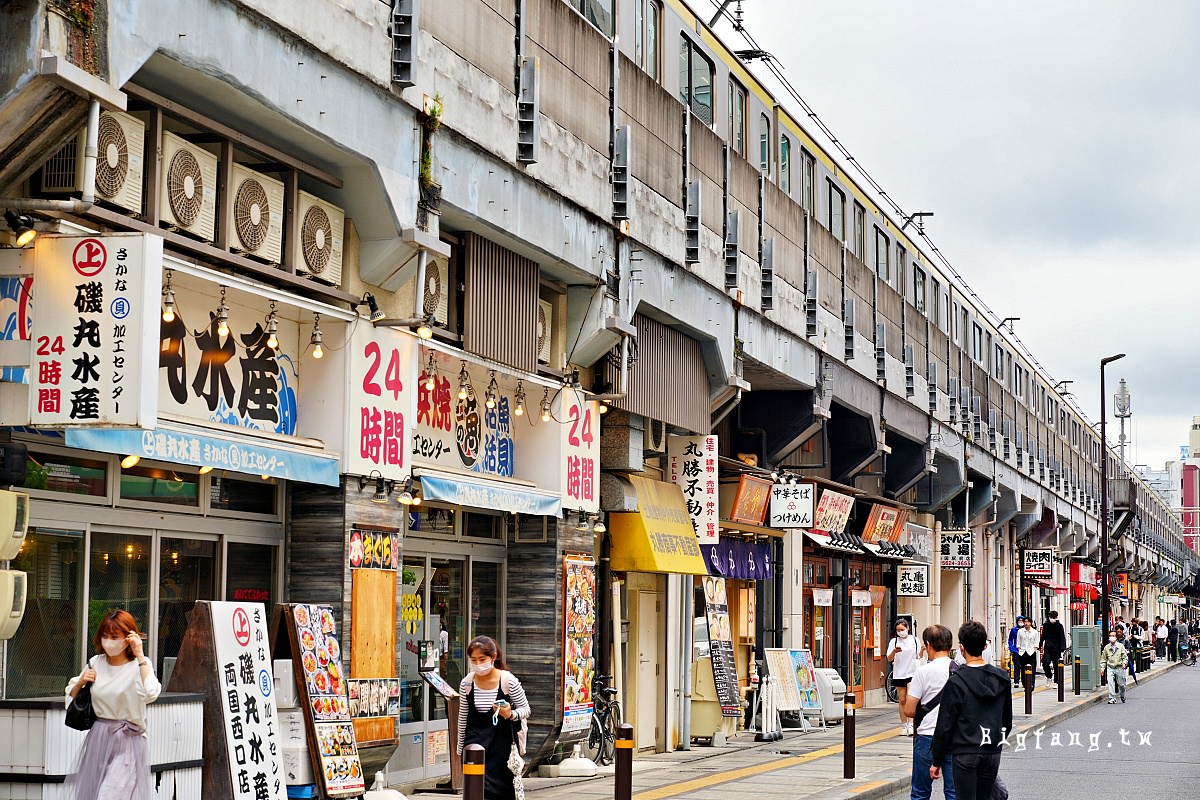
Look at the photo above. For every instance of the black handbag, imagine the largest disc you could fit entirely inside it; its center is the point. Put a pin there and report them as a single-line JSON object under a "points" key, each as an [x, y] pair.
{"points": [[80, 714]]}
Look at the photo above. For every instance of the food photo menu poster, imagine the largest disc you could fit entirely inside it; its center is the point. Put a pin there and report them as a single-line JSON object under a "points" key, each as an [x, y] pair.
{"points": [[579, 633], [325, 700], [720, 644]]}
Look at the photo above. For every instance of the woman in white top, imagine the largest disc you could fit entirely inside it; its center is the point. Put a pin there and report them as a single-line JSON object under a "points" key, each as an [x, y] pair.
{"points": [[902, 652], [490, 714], [115, 762]]}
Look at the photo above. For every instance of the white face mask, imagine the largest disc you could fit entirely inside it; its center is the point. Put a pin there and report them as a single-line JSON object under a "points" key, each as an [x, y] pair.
{"points": [[483, 668], [113, 646], [1112, 640], [902, 634]]}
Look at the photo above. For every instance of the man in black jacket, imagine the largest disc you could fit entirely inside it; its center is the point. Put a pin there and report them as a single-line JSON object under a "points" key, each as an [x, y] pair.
{"points": [[1053, 643], [976, 717]]}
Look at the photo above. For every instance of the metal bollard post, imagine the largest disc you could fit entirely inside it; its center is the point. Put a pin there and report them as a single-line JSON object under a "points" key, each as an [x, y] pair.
{"points": [[1058, 678], [473, 756], [848, 730], [1028, 692], [623, 786], [1076, 676]]}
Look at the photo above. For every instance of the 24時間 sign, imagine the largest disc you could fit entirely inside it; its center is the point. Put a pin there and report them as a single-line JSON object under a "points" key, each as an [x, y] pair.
{"points": [[94, 302]]}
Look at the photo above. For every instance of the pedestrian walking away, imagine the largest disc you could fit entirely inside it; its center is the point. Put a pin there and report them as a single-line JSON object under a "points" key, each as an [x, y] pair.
{"points": [[1052, 644], [1160, 638], [1014, 654], [1172, 641], [902, 652], [1114, 658], [973, 721], [492, 714], [923, 704], [1027, 649], [115, 761]]}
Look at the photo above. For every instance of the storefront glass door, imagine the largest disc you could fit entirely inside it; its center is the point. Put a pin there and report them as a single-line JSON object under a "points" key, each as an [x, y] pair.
{"points": [[187, 572], [119, 577]]}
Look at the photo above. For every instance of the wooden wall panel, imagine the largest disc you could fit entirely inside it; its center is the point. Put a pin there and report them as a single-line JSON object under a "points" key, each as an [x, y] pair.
{"points": [[373, 627]]}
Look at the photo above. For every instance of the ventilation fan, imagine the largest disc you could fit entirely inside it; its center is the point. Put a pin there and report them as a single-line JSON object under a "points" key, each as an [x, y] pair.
{"points": [[435, 295], [545, 329], [319, 247], [257, 206], [119, 162], [188, 190]]}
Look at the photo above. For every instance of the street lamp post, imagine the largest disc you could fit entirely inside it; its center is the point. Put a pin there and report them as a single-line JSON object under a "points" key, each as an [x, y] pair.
{"points": [[1104, 362]]}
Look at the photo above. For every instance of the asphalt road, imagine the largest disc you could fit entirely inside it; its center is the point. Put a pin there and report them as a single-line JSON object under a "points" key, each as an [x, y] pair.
{"points": [[1147, 747]]}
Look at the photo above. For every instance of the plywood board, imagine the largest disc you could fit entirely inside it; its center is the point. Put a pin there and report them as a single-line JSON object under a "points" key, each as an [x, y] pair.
{"points": [[373, 624], [369, 731]]}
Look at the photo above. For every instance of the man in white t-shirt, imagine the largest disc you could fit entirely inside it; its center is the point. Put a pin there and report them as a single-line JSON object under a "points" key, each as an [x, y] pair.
{"points": [[925, 689]]}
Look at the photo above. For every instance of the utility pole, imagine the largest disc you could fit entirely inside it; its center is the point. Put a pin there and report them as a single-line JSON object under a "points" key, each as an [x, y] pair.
{"points": [[1122, 411], [1104, 362]]}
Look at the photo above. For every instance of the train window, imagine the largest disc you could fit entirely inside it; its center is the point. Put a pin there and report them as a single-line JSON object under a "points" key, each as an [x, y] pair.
{"points": [[883, 262], [918, 288], [764, 144], [858, 244], [737, 118], [597, 12], [695, 81], [785, 164], [901, 268], [646, 35], [810, 183], [977, 353], [837, 211]]}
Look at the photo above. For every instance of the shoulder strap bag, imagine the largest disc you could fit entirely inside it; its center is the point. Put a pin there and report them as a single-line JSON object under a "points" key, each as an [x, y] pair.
{"points": [[924, 709], [80, 714]]}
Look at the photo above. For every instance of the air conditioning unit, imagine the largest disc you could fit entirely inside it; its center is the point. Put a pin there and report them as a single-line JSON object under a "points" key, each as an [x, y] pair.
{"points": [[435, 295], [189, 187], [121, 146], [319, 249], [545, 330], [257, 206]]}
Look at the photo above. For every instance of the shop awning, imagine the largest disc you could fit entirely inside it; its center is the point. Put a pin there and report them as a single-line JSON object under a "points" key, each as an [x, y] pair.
{"points": [[658, 537], [884, 549], [1045, 584], [835, 540], [178, 443], [482, 493]]}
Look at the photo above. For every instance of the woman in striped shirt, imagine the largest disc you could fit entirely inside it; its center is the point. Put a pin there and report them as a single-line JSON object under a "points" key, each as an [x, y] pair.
{"points": [[492, 708]]}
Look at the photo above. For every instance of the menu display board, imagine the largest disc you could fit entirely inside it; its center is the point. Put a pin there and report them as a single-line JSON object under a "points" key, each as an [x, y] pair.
{"points": [[324, 698], [579, 633], [720, 644], [795, 679]]}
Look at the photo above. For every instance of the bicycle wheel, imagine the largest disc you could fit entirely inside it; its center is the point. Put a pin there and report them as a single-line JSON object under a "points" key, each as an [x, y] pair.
{"points": [[890, 688], [593, 746], [608, 725]]}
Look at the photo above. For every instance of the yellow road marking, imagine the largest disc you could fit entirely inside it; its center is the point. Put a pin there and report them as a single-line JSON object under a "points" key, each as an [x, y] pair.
{"points": [[866, 786], [696, 784]]}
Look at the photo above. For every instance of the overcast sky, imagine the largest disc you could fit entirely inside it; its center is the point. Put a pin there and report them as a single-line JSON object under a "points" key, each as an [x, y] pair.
{"points": [[1057, 144]]}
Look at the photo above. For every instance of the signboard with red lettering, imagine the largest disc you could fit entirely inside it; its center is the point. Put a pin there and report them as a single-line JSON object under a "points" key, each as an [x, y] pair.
{"points": [[95, 330], [383, 398], [580, 461], [692, 466], [833, 511]]}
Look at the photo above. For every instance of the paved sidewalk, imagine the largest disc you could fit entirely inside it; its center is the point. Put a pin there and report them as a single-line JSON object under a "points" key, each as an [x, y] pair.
{"points": [[800, 765]]}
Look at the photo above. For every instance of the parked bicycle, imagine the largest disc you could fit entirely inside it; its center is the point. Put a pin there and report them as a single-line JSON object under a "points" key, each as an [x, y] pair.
{"points": [[1187, 652], [606, 718]]}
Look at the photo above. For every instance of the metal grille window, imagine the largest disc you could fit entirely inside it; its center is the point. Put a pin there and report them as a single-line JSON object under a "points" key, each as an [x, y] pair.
{"points": [[668, 381], [500, 304], [695, 80]]}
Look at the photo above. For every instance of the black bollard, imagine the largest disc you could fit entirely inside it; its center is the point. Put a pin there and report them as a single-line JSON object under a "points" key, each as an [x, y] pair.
{"points": [[1028, 691], [848, 730], [1058, 678], [623, 786], [473, 756], [1076, 676]]}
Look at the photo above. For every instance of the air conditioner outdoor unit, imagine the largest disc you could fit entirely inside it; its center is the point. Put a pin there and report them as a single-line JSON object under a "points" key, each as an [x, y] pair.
{"points": [[435, 295], [319, 249], [120, 162], [189, 187], [545, 330], [257, 205]]}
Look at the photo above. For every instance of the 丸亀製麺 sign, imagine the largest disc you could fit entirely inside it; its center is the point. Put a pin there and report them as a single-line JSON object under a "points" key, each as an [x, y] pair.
{"points": [[912, 580], [957, 550], [95, 330], [1038, 563], [792, 505], [692, 465]]}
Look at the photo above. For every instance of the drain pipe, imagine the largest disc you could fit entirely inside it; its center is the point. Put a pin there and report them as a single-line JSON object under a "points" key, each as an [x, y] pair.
{"points": [[88, 197], [688, 627]]}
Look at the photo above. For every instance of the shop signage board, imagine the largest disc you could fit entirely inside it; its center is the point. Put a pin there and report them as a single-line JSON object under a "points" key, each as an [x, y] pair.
{"points": [[374, 549], [751, 500], [822, 597], [692, 466], [1120, 585], [860, 598], [720, 646], [912, 580], [95, 330], [735, 557], [579, 462], [579, 633], [383, 402], [1038, 563], [374, 697], [920, 539], [313, 645], [833, 511], [792, 505], [795, 679], [884, 524], [957, 550]]}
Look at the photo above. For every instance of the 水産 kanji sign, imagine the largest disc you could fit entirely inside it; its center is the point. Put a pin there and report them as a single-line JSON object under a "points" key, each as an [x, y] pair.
{"points": [[692, 465]]}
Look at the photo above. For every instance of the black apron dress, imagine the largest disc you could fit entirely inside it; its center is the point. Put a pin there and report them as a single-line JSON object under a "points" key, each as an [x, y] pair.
{"points": [[497, 741]]}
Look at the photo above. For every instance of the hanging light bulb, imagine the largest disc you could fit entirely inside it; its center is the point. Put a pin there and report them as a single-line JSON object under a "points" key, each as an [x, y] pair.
{"points": [[493, 392], [206, 469], [315, 340], [130, 461], [425, 329], [430, 374], [464, 380], [603, 407], [222, 316], [168, 306], [598, 526], [272, 329], [519, 410], [546, 406]]}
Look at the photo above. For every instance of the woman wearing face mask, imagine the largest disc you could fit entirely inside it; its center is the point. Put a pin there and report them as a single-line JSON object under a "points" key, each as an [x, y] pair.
{"points": [[492, 706], [115, 762], [902, 653]]}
